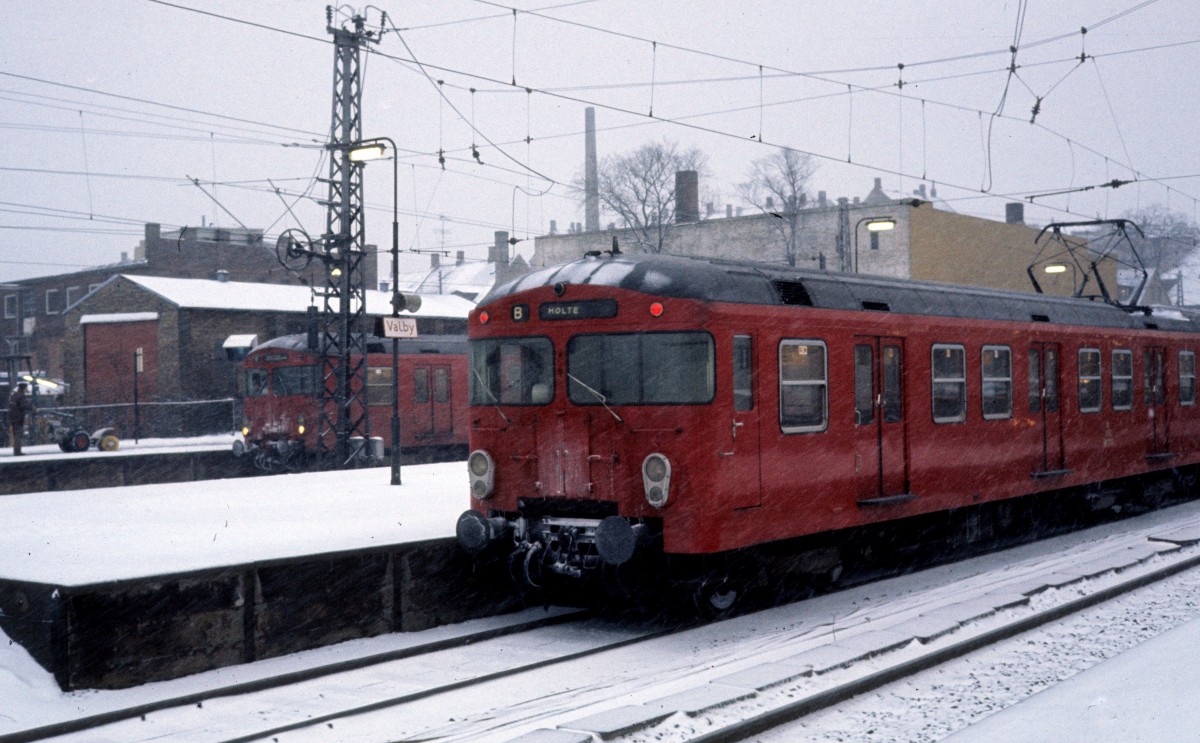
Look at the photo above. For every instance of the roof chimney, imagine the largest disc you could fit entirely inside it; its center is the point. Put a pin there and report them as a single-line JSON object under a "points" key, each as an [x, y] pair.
{"points": [[501, 248], [460, 258], [435, 260], [687, 196], [1014, 213], [222, 276], [591, 182]]}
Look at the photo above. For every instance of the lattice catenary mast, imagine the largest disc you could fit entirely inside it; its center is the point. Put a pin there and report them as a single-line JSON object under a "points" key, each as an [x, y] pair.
{"points": [[342, 330]]}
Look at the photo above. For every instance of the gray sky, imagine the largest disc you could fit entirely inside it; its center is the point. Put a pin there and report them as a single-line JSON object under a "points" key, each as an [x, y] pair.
{"points": [[246, 106]]}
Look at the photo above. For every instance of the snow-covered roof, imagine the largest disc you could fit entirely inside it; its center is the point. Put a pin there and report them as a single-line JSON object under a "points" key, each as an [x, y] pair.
{"points": [[241, 295], [473, 279], [118, 317]]}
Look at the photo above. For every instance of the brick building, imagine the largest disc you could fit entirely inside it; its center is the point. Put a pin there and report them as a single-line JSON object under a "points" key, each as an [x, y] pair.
{"points": [[923, 242], [189, 335], [32, 322]]}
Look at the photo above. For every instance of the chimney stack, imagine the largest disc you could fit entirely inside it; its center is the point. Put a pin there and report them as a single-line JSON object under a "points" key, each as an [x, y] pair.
{"points": [[460, 258], [1014, 213], [591, 180], [687, 196], [501, 249]]}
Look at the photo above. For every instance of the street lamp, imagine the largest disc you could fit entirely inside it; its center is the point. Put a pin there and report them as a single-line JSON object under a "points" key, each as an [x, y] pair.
{"points": [[373, 149], [874, 224]]}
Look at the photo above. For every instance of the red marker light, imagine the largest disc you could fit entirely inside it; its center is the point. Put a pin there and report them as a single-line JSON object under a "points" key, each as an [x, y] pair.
{"points": [[656, 309], [483, 318]]}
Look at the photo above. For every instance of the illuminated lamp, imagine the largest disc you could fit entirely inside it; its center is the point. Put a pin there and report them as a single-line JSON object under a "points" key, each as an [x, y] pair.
{"points": [[656, 309], [366, 152], [484, 317]]}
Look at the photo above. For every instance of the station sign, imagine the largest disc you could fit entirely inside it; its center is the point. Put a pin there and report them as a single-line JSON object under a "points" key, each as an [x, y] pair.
{"points": [[395, 327]]}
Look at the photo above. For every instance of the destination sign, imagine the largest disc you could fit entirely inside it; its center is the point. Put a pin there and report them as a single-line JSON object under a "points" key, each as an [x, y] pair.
{"points": [[395, 327], [583, 309]]}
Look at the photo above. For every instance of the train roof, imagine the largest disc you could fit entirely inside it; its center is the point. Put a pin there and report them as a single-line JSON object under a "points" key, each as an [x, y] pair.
{"points": [[746, 282], [449, 344]]}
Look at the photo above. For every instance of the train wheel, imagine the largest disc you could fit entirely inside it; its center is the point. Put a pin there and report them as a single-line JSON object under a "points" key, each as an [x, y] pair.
{"points": [[717, 597], [108, 442]]}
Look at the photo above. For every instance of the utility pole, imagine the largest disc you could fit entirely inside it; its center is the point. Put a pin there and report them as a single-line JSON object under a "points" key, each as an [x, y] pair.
{"points": [[342, 331]]}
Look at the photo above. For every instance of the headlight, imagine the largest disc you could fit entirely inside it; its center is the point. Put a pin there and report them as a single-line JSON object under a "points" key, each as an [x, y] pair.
{"points": [[245, 430], [300, 424], [482, 470], [656, 479]]}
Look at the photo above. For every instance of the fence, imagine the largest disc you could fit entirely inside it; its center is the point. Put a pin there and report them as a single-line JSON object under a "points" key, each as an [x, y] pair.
{"points": [[143, 420]]}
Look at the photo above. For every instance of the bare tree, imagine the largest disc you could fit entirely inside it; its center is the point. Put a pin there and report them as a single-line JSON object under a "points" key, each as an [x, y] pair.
{"points": [[640, 188], [776, 186], [1170, 236]]}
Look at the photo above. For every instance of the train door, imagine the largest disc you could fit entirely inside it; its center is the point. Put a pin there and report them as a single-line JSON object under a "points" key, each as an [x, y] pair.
{"points": [[1044, 405], [739, 452], [421, 414], [432, 407], [442, 407], [1154, 394], [880, 449]]}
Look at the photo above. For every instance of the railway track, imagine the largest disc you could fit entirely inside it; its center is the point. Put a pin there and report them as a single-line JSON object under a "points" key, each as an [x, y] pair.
{"points": [[717, 682], [99, 725], [1107, 586]]}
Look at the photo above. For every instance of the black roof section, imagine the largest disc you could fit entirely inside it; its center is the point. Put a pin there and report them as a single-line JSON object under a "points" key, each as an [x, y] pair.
{"points": [[745, 282]]}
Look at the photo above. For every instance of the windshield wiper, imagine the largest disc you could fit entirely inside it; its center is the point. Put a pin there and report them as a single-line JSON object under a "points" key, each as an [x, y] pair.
{"points": [[603, 400], [488, 390]]}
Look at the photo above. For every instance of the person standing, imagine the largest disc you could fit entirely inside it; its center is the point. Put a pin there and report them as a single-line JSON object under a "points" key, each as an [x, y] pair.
{"points": [[19, 406]]}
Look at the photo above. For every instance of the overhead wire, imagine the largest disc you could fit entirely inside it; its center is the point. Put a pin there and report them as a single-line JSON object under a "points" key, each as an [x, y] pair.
{"points": [[422, 66]]}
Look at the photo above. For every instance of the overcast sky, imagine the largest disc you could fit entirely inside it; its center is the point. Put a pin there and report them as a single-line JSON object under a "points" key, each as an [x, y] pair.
{"points": [[111, 106]]}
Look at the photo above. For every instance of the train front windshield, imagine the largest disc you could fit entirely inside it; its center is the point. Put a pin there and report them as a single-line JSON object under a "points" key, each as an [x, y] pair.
{"points": [[641, 369], [512, 371]]}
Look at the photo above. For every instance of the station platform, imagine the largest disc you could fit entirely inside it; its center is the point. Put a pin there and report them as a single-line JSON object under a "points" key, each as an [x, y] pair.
{"points": [[47, 467], [113, 587], [1147, 693]]}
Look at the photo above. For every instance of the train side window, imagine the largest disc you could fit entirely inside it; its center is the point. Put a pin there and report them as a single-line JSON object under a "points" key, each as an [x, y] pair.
{"points": [[421, 384], [743, 373], [803, 397], [864, 385], [949, 383], [1187, 378], [441, 385], [996, 371], [1090, 392], [1122, 379], [379, 385]]}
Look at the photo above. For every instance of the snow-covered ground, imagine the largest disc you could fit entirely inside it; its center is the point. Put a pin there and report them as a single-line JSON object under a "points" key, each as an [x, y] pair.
{"points": [[79, 537]]}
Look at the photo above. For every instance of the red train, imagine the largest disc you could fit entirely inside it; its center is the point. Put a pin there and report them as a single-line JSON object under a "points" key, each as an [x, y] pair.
{"points": [[280, 408], [636, 414]]}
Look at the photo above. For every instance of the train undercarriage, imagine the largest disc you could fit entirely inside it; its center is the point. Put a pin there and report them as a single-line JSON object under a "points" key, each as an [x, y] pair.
{"points": [[610, 560]]}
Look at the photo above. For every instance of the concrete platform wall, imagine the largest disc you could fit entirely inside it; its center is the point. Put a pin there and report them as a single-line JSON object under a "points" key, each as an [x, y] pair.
{"points": [[128, 633], [67, 473]]}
